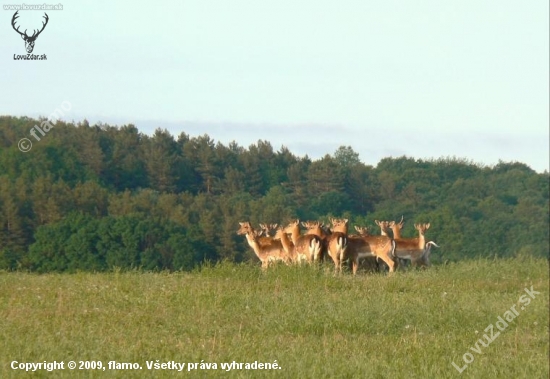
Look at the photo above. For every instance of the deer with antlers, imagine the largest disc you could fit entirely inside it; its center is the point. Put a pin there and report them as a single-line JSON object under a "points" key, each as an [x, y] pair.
{"points": [[369, 263], [29, 40], [417, 250], [382, 247], [266, 229], [393, 230]]}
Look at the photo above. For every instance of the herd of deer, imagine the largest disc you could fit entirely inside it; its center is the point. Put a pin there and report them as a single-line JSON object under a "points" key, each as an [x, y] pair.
{"points": [[320, 240]]}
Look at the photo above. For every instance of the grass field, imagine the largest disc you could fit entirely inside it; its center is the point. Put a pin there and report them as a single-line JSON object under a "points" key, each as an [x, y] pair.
{"points": [[411, 324]]}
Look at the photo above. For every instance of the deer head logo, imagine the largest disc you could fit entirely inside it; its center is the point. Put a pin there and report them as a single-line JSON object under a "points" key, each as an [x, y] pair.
{"points": [[29, 40]]}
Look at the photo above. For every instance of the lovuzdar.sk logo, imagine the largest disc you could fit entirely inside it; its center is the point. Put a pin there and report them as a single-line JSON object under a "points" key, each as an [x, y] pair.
{"points": [[29, 40]]}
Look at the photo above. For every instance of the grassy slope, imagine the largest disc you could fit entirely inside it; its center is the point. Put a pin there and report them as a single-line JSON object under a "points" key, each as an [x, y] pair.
{"points": [[409, 325]]}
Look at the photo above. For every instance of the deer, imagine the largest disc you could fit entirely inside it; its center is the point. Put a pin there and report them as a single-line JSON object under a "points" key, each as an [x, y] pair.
{"points": [[267, 254], [414, 249], [287, 244], [266, 229], [425, 259], [29, 40], [393, 228], [370, 263], [244, 228], [307, 247], [363, 231], [337, 243], [382, 247], [316, 228]]}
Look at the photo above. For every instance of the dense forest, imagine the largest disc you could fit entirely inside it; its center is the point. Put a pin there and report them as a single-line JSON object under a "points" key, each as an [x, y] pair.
{"points": [[98, 197]]}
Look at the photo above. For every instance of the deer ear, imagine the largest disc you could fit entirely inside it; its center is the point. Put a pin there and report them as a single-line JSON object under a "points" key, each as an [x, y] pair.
{"points": [[22, 36]]}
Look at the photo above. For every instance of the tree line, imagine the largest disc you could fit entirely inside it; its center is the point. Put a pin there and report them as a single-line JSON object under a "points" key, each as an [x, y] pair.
{"points": [[94, 197]]}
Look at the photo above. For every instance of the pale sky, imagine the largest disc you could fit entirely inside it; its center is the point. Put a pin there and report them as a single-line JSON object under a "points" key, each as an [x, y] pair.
{"points": [[426, 79]]}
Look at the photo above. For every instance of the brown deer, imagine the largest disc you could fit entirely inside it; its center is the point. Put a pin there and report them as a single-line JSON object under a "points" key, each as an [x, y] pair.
{"points": [[316, 228], [363, 231], [266, 229], [287, 244], [307, 247], [382, 247], [393, 230], [266, 253], [369, 263], [414, 249], [337, 243]]}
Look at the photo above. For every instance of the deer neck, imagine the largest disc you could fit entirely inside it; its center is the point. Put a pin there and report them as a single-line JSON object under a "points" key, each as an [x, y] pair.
{"points": [[421, 240], [286, 243], [317, 231], [396, 232], [255, 246], [341, 229], [295, 234]]}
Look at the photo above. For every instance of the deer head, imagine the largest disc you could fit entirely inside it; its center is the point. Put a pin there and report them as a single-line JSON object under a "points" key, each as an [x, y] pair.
{"points": [[245, 227], [29, 40], [267, 228], [422, 228], [362, 230]]}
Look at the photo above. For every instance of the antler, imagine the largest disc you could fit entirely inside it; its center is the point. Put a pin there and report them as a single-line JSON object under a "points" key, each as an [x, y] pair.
{"points": [[34, 35], [310, 224], [35, 32], [15, 17]]}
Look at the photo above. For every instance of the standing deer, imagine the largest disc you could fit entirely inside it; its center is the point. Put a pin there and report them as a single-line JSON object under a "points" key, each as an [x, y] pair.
{"points": [[425, 259], [393, 230], [316, 228], [287, 244], [266, 253], [382, 247], [337, 243], [266, 238], [370, 263], [308, 247], [414, 249]]}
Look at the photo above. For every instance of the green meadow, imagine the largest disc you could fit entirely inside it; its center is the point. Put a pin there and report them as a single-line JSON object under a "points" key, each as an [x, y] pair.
{"points": [[304, 322]]}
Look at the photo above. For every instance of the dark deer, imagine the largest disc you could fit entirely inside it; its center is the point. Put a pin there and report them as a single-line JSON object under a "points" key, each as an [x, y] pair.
{"points": [[29, 40]]}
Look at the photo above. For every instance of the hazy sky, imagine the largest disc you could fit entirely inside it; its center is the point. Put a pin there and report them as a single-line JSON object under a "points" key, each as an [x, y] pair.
{"points": [[425, 79]]}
